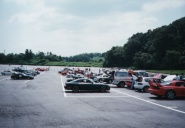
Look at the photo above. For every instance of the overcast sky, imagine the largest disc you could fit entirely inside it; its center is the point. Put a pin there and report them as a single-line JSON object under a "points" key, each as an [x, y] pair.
{"points": [[71, 27]]}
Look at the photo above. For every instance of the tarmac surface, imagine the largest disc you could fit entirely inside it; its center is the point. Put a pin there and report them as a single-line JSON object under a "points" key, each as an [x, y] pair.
{"points": [[43, 103]]}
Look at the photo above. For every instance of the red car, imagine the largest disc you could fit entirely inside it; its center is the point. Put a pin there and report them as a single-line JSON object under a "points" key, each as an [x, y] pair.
{"points": [[64, 72], [79, 71], [168, 89], [41, 69]]}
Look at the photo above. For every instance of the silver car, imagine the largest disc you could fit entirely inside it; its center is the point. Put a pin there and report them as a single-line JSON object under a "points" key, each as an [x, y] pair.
{"points": [[7, 72]]}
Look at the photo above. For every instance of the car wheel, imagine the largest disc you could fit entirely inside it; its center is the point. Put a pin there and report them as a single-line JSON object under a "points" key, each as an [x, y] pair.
{"points": [[145, 89], [170, 94], [103, 89], [110, 81], [75, 89], [121, 85], [100, 80]]}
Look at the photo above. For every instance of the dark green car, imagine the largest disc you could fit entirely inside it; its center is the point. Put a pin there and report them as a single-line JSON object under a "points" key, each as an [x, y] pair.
{"points": [[86, 84]]}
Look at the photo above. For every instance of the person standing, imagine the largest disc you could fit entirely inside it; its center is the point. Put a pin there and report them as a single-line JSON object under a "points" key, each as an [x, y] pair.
{"points": [[182, 76], [112, 74], [177, 77], [134, 78]]}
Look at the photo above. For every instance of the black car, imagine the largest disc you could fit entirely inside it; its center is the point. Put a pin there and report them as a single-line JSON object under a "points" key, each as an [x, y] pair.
{"points": [[108, 79], [18, 75], [19, 69], [86, 84]]}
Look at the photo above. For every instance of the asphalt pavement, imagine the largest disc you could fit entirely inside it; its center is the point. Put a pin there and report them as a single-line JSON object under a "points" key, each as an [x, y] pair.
{"points": [[43, 103]]}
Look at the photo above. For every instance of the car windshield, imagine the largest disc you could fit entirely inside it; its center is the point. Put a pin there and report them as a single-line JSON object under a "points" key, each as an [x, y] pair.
{"points": [[83, 80], [148, 79], [144, 74]]}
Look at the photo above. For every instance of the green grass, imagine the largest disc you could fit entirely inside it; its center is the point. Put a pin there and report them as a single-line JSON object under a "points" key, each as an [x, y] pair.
{"points": [[75, 64], [167, 71]]}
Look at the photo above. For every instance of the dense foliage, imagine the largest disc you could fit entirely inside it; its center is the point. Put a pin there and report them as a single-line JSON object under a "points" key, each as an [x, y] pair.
{"points": [[86, 57], [48, 58], [76, 64], [161, 48]]}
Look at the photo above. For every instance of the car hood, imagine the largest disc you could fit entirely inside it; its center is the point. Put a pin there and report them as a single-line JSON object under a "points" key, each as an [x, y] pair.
{"points": [[169, 78]]}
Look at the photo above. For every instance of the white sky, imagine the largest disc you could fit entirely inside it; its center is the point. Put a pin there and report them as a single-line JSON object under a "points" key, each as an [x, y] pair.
{"points": [[71, 27]]}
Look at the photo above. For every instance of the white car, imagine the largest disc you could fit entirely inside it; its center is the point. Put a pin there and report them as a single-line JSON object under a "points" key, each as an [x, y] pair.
{"points": [[100, 78], [143, 85], [7, 72]]}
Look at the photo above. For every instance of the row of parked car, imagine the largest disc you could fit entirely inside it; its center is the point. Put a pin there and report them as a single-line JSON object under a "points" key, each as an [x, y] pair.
{"points": [[159, 84], [23, 73]]}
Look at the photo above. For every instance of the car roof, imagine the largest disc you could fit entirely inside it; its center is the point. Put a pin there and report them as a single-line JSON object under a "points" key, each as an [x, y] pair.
{"points": [[122, 71]]}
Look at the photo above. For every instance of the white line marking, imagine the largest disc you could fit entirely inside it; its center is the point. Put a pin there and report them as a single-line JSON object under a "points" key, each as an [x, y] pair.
{"points": [[173, 107], [63, 86], [26, 81], [96, 96], [151, 102], [42, 73]]}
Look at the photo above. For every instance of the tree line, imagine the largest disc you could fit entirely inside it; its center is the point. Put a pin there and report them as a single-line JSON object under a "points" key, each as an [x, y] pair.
{"points": [[161, 48], [42, 58]]}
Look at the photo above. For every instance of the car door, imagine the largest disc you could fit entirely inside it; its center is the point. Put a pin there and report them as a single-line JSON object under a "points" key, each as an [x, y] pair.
{"points": [[9, 72], [91, 85], [180, 88], [183, 88], [84, 85]]}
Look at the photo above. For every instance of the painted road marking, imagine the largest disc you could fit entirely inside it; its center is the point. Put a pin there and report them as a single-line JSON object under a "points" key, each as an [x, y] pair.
{"points": [[63, 86], [26, 81], [41, 73], [173, 107], [170, 108], [96, 96]]}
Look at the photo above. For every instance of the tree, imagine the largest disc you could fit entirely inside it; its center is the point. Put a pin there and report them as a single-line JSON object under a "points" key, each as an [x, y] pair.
{"points": [[2, 58], [143, 61], [172, 59], [113, 57], [28, 54]]}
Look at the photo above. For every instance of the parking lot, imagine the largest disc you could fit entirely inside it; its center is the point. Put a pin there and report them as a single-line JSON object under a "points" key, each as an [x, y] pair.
{"points": [[43, 102]]}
